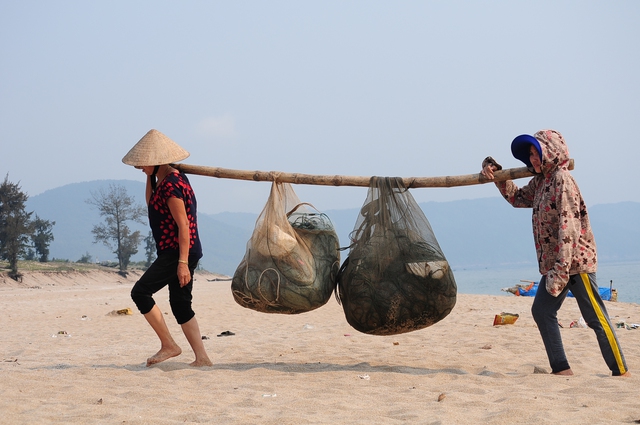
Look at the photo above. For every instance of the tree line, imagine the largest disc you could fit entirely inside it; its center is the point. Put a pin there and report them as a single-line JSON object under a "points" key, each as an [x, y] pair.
{"points": [[20, 235], [27, 238]]}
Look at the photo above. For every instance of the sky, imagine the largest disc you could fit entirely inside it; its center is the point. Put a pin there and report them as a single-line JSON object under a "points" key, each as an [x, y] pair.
{"points": [[362, 88]]}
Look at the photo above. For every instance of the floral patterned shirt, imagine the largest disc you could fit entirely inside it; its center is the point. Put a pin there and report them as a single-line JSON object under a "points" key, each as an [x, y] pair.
{"points": [[163, 225]]}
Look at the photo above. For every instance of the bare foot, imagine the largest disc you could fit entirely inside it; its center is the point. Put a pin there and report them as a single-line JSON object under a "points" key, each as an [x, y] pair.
{"points": [[164, 354], [627, 374], [201, 362], [566, 372]]}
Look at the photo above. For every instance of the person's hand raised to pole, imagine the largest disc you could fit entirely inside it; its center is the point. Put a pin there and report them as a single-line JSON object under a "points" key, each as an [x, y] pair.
{"points": [[489, 165]]}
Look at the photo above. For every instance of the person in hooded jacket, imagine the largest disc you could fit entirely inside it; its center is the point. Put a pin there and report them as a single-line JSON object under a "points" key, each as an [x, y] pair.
{"points": [[565, 246]]}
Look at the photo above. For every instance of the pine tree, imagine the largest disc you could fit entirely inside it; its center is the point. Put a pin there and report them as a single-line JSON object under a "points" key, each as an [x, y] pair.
{"points": [[15, 224], [42, 237]]}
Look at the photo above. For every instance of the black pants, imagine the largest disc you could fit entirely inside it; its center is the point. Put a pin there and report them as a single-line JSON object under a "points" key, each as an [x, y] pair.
{"points": [[163, 272], [585, 290]]}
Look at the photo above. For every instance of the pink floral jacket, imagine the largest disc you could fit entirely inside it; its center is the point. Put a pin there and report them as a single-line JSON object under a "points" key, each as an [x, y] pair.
{"points": [[564, 241]]}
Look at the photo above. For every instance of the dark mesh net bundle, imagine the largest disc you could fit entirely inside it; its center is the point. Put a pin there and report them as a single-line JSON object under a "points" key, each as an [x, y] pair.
{"points": [[396, 278], [291, 260]]}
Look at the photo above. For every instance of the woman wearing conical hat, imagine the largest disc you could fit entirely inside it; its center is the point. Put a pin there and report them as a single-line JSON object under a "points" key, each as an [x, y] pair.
{"points": [[173, 219]]}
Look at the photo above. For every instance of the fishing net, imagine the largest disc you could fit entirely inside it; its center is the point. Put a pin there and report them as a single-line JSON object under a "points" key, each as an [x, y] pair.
{"points": [[396, 278], [291, 260]]}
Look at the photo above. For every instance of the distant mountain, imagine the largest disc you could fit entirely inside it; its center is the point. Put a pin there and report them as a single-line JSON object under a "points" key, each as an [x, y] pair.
{"points": [[75, 218], [478, 232], [470, 232], [224, 241], [617, 230]]}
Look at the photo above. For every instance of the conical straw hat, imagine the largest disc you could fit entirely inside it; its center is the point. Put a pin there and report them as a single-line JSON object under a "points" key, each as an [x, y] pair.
{"points": [[154, 149]]}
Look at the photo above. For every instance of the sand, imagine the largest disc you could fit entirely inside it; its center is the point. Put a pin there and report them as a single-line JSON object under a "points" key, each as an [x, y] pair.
{"points": [[66, 358]]}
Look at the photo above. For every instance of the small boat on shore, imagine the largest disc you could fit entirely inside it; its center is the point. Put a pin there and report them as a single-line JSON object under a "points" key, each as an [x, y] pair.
{"points": [[529, 288]]}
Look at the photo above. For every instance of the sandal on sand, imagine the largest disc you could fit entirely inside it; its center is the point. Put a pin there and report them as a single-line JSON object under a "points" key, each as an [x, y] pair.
{"points": [[226, 333]]}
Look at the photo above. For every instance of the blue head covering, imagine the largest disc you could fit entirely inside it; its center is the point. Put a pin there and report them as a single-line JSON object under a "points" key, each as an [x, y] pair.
{"points": [[520, 148]]}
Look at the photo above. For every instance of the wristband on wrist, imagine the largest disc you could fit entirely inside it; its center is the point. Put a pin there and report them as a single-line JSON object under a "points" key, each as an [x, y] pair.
{"points": [[183, 261]]}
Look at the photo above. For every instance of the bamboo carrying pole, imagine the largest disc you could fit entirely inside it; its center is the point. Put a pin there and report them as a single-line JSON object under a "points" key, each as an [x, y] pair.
{"points": [[337, 180]]}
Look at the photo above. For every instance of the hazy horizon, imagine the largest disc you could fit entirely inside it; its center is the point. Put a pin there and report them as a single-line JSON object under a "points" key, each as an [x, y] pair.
{"points": [[259, 207], [364, 88]]}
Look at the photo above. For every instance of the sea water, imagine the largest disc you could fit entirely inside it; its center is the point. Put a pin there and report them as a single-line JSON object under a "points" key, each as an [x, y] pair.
{"points": [[625, 277]]}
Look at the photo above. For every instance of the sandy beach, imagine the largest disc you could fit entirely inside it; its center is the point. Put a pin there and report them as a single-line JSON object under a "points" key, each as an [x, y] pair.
{"points": [[68, 358]]}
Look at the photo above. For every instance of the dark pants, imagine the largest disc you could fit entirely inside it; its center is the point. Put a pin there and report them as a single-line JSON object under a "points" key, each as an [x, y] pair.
{"points": [[163, 272], [585, 290]]}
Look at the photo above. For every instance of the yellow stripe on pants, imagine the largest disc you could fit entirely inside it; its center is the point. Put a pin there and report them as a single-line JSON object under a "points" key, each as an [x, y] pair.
{"points": [[604, 322]]}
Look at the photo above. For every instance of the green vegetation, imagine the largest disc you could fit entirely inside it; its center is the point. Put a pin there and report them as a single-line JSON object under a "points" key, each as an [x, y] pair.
{"points": [[52, 266], [17, 229], [58, 265], [117, 208]]}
